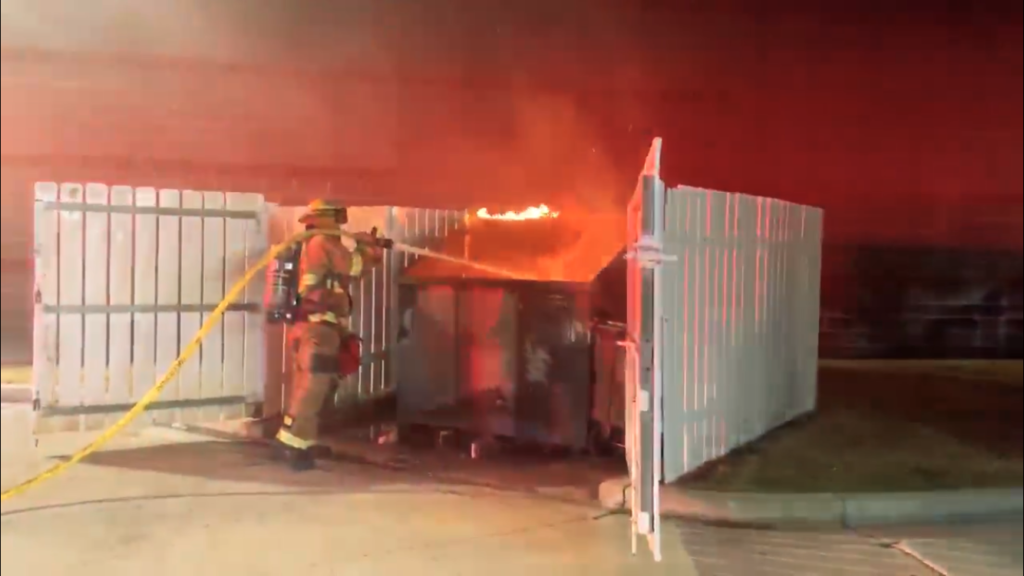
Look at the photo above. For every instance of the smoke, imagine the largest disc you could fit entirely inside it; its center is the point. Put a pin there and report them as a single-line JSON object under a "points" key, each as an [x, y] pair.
{"points": [[551, 154]]}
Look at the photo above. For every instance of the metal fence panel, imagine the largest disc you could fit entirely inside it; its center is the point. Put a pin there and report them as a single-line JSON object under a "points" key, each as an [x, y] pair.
{"points": [[421, 227], [741, 321], [125, 277]]}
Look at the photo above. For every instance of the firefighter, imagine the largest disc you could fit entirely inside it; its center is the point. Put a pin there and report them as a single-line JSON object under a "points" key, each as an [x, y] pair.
{"points": [[326, 268]]}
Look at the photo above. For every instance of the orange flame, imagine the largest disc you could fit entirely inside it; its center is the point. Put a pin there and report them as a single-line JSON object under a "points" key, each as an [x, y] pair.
{"points": [[531, 213]]}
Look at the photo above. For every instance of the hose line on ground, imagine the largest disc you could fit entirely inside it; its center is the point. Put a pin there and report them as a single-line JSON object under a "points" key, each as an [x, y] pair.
{"points": [[150, 396]]}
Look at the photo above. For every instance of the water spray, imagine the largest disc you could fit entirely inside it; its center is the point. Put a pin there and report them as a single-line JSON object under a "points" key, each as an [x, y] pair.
{"points": [[453, 259], [389, 244]]}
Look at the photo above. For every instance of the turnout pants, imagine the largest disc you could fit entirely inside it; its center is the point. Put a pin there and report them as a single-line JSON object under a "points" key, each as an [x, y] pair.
{"points": [[316, 346]]}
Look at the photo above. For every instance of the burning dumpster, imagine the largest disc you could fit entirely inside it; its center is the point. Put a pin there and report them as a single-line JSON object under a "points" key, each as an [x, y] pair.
{"points": [[501, 356]]}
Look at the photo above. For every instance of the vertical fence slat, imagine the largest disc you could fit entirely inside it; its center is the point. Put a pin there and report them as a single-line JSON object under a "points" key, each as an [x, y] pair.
{"points": [[273, 396], [723, 360], [717, 360], [45, 336], [727, 356], [96, 254], [711, 323], [233, 368], [778, 337], [689, 326], [70, 325], [749, 304], [255, 340], [698, 312], [122, 277], [793, 305], [671, 345], [168, 291], [191, 293], [392, 263], [144, 372], [763, 333], [378, 291], [787, 317], [212, 361], [768, 334]]}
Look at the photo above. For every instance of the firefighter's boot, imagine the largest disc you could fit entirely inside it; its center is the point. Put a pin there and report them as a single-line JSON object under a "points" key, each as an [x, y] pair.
{"points": [[321, 452], [297, 459]]}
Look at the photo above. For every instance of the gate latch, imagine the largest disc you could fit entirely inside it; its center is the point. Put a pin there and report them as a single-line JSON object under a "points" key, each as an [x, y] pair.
{"points": [[643, 399], [649, 253]]}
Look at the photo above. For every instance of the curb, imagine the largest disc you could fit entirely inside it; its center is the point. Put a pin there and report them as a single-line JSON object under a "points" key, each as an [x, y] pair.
{"points": [[843, 510]]}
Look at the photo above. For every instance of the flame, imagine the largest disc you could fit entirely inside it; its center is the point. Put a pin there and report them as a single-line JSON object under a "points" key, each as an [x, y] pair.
{"points": [[531, 213]]}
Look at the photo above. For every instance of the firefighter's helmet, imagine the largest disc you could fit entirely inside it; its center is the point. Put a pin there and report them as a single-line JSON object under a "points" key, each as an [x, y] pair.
{"points": [[324, 209]]}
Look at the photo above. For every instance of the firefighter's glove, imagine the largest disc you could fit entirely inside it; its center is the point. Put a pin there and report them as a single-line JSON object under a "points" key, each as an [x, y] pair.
{"points": [[364, 238], [372, 246], [368, 247]]}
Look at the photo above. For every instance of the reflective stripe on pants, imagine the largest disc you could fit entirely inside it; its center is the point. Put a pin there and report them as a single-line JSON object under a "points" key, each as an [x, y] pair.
{"points": [[316, 347]]}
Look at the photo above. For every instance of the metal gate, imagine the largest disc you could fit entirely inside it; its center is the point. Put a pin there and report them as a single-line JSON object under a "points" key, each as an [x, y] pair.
{"points": [[741, 321], [722, 314], [124, 278], [645, 231]]}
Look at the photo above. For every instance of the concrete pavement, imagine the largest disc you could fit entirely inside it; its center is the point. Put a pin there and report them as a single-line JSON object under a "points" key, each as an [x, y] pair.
{"points": [[738, 551], [990, 548], [160, 501], [165, 502]]}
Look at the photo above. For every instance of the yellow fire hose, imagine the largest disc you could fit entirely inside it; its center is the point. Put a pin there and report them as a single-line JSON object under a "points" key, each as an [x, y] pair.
{"points": [[189, 350]]}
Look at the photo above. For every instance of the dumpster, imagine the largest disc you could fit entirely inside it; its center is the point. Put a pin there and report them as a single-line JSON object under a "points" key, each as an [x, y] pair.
{"points": [[496, 358]]}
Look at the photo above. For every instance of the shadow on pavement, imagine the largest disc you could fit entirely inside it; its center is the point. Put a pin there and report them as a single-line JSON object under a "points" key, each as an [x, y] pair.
{"points": [[363, 466], [244, 462]]}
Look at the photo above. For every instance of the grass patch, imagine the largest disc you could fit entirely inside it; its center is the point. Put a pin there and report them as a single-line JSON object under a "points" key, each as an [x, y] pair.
{"points": [[848, 451], [1010, 372], [886, 427]]}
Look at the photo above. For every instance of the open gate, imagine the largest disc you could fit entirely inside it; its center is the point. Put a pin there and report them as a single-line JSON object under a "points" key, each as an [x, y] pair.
{"points": [[645, 231], [738, 314], [124, 278]]}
